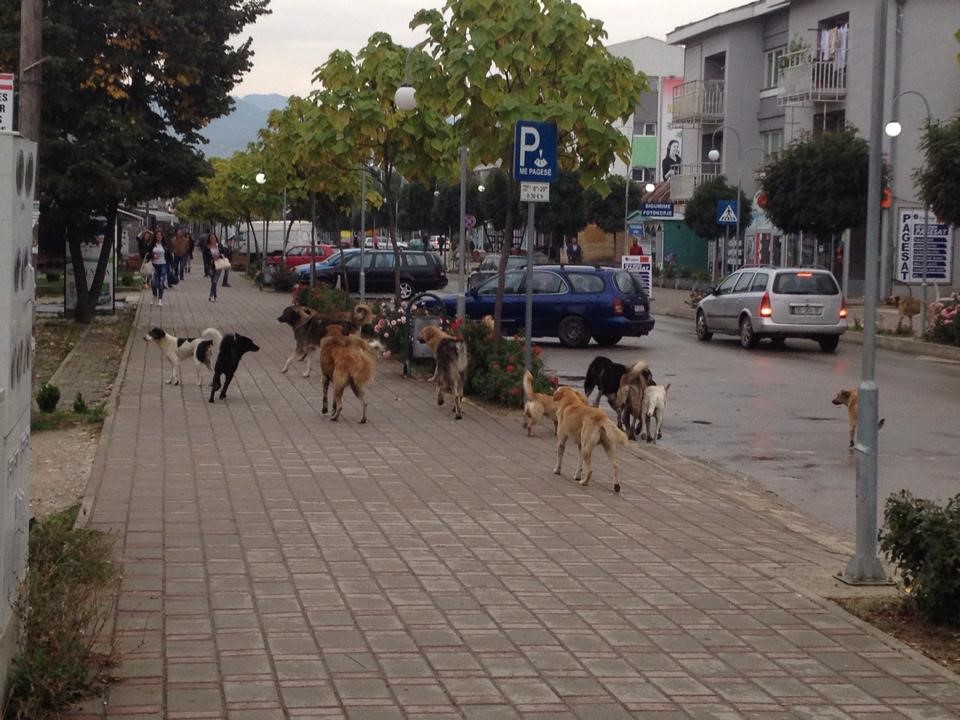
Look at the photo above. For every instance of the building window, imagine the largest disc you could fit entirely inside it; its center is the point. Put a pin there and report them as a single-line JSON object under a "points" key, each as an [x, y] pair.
{"points": [[649, 129], [644, 174], [772, 143], [771, 67]]}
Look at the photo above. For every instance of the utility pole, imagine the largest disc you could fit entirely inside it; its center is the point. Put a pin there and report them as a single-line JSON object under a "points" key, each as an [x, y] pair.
{"points": [[31, 34]]}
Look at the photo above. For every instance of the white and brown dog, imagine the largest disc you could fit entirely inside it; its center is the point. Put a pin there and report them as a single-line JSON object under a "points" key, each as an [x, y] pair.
{"points": [[451, 356], [177, 349], [654, 408]]}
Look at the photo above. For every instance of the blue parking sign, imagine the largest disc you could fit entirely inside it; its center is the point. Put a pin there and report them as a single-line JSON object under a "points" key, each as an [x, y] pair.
{"points": [[535, 151]]}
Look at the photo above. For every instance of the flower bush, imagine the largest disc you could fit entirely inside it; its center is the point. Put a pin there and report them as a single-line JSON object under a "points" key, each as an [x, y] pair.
{"points": [[498, 376], [391, 323], [946, 325], [322, 298]]}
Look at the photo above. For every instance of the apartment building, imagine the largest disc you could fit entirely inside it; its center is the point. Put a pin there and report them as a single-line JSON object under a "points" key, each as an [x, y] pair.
{"points": [[648, 128], [761, 75]]}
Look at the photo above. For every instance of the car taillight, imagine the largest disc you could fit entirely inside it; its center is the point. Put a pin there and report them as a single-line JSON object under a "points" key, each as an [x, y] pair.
{"points": [[765, 308], [843, 307], [617, 306]]}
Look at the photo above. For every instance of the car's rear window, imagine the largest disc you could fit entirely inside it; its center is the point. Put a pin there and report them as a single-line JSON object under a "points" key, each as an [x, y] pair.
{"points": [[624, 282], [584, 283], [743, 284], [416, 259], [759, 282], [805, 283]]}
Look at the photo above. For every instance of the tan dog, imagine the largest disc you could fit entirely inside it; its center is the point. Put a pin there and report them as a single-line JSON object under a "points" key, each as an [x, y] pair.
{"points": [[345, 360], [488, 323], [451, 356], [654, 408], [629, 399], [907, 307], [536, 405], [590, 427], [309, 328], [849, 398]]}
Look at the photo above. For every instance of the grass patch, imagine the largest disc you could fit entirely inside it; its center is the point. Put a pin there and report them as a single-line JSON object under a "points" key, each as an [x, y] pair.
{"points": [[63, 606], [64, 419], [55, 339], [903, 621]]}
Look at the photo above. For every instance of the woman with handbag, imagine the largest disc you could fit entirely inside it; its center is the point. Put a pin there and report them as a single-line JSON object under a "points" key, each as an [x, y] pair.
{"points": [[218, 263], [158, 256]]}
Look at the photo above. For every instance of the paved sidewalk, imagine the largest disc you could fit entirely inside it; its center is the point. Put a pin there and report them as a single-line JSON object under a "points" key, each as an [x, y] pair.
{"points": [[280, 565]]}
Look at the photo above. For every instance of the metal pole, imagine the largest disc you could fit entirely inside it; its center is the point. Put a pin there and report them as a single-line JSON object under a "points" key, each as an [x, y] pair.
{"points": [[926, 260], [461, 294], [845, 243], [313, 238], [528, 332], [31, 59], [363, 230], [864, 566]]}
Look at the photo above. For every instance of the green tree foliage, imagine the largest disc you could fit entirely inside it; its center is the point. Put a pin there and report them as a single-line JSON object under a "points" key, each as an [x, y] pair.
{"points": [[701, 213], [498, 200], [818, 185], [607, 210], [126, 89], [939, 178], [416, 203], [529, 60], [566, 213]]}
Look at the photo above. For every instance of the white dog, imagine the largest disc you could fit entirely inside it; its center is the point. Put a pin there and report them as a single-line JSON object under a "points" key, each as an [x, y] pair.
{"points": [[654, 408], [177, 349]]}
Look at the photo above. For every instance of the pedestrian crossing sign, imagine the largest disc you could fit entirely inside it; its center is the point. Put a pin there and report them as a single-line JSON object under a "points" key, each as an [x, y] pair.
{"points": [[727, 212]]}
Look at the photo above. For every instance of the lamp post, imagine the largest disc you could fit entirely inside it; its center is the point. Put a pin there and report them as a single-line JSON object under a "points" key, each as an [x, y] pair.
{"points": [[893, 130], [261, 179], [714, 156]]}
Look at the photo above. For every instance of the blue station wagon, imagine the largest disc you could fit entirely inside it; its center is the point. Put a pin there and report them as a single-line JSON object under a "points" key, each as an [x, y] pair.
{"points": [[570, 302]]}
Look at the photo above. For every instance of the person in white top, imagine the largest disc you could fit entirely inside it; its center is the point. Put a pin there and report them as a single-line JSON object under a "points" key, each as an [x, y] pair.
{"points": [[213, 250], [158, 256]]}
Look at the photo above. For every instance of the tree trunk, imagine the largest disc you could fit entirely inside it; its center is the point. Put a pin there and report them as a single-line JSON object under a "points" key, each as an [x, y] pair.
{"points": [[392, 215], [505, 247], [88, 296]]}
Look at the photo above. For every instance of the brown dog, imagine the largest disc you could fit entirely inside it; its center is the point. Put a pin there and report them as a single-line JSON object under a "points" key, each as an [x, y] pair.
{"points": [[345, 360], [848, 397], [536, 405], [309, 328], [629, 399], [451, 357], [590, 427], [907, 307]]}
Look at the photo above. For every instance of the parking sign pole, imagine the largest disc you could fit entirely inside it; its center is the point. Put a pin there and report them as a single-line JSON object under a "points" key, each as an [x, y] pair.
{"points": [[461, 295], [528, 326]]}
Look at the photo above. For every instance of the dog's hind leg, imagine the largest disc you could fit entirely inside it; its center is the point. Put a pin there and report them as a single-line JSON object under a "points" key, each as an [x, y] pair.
{"points": [[215, 385], [337, 401], [611, 451], [326, 387], [306, 373], [226, 383], [358, 392], [561, 446], [286, 365], [439, 395]]}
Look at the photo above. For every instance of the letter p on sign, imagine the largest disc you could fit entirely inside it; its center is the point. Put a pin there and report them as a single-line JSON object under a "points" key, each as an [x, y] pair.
{"points": [[529, 143]]}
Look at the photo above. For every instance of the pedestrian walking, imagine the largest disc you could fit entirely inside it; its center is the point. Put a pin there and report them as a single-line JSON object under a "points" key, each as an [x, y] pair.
{"points": [[191, 246], [158, 256], [636, 248], [227, 252], [181, 248], [212, 250], [574, 252], [161, 238]]}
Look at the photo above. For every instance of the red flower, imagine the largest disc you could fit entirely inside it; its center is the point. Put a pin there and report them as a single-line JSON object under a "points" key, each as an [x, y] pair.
{"points": [[537, 352], [514, 391], [495, 366], [553, 380], [455, 326], [510, 368]]}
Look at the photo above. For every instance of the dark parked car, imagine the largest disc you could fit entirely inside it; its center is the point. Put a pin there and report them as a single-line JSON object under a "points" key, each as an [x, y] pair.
{"points": [[491, 263], [419, 271], [570, 302]]}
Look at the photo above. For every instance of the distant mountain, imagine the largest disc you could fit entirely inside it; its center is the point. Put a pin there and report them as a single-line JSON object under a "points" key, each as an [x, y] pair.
{"points": [[235, 131]]}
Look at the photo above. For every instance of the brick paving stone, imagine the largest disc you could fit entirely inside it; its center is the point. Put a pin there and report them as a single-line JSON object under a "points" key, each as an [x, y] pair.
{"points": [[287, 566]]}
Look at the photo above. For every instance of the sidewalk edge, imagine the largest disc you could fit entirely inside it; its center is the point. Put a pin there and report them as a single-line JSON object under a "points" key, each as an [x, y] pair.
{"points": [[100, 458]]}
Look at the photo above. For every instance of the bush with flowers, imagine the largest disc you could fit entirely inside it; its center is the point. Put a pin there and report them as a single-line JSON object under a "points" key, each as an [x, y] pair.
{"points": [[946, 325], [390, 323], [323, 298], [498, 376]]}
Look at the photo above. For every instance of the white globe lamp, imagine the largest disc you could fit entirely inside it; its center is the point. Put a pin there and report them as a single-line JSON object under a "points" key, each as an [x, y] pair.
{"points": [[405, 98], [893, 129], [713, 155], [260, 178]]}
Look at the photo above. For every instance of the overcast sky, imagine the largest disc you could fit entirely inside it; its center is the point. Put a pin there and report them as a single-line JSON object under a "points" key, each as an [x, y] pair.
{"points": [[300, 34]]}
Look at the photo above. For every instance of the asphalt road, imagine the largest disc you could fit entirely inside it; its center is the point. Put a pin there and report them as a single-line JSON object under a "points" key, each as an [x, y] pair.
{"points": [[767, 414]]}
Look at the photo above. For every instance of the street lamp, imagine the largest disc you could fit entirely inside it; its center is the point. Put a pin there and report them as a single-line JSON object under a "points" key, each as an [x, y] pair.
{"points": [[893, 130], [714, 156], [261, 179]]}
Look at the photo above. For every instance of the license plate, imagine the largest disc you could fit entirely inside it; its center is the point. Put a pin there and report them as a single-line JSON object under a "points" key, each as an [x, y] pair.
{"points": [[639, 309], [806, 309]]}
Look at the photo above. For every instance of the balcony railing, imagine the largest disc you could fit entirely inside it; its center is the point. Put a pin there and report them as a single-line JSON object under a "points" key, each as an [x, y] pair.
{"points": [[687, 176], [697, 103], [804, 78]]}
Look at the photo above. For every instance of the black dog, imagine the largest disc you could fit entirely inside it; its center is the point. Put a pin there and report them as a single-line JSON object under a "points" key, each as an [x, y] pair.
{"points": [[228, 351], [604, 375]]}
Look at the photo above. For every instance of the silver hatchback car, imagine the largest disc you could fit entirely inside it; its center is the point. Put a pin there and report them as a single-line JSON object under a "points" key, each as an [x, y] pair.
{"points": [[775, 303]]}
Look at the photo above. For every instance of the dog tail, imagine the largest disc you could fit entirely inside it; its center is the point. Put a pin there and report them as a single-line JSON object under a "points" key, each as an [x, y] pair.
{"points": [[527, 386], [611, 434], [362, 314], [462, 356], [212, 334], [635, 372]]}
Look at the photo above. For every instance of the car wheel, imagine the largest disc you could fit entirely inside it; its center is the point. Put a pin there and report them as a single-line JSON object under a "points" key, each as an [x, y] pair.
{"points": [[829, 343], [748, 339], [573, 332], [406, 290], [703, 333], [607, 340]]}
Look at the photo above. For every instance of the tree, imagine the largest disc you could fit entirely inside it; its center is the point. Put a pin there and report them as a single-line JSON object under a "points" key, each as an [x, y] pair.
{"points": [[566, 213], [127, 88], [416, 204], [701, 212], [818, 185], [939, 178], [529, 60]]}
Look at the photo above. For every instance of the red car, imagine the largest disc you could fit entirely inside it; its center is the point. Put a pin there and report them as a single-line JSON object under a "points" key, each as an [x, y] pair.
{"points": [[300, 255]]}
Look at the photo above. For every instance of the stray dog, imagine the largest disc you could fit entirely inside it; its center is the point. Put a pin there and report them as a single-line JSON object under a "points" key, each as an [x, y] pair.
{"points": [[629, 400], [849, 398], [309, 328], [451, 356], [536, 405], [654, 408], [488, 323], [907, 307], [604, 375], [345, 360], [228, 352], [178, 349], [589, 426]]}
